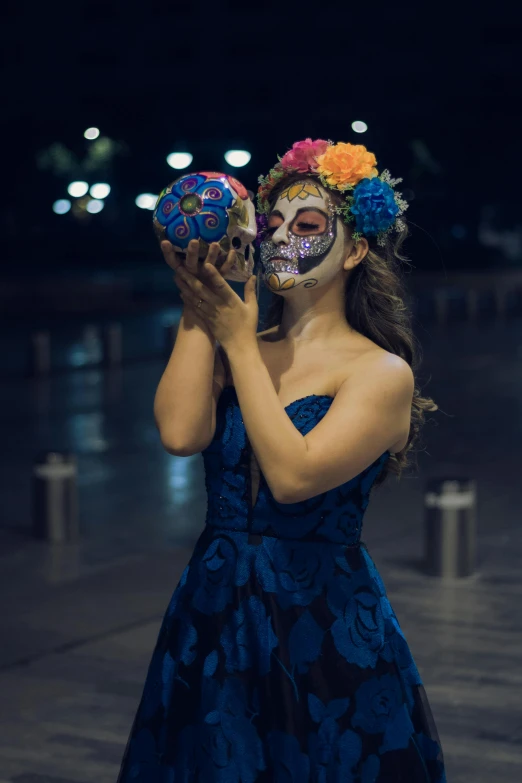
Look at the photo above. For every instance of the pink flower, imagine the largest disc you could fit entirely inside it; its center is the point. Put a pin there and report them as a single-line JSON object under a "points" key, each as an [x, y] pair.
{"points": [[303, 154]]}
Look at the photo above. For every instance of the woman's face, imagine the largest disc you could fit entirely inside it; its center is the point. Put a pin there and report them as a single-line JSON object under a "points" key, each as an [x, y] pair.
{"points": [[306, 243]]}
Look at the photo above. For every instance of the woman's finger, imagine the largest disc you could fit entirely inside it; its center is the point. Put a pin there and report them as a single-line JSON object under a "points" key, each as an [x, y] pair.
{"points": [[168, 254], [191, 261], [185, 294], [228, 263], [195, 302], [190, 283], [213, 253], [217, 290]]}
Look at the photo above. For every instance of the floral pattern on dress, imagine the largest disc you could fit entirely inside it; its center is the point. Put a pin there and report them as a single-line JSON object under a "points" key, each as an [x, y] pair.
{"points": [[280, 658]]}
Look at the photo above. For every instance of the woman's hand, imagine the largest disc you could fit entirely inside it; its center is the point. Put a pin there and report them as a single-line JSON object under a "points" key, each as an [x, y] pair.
{"points": [[232, 321], [190, 260]]}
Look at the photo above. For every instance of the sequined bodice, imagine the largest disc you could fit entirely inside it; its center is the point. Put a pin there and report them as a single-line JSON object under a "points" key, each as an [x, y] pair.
{"points": [[335, 515]]}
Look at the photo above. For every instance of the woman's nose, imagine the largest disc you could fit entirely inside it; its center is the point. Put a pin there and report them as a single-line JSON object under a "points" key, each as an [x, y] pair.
{"points": [[280, 235]]}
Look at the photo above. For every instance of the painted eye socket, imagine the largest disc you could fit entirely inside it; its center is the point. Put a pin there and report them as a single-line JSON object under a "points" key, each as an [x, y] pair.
{"points": [[310, 222]]}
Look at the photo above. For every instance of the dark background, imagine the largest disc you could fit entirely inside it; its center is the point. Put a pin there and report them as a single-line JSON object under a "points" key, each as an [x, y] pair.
{"points": [[438, 86]]}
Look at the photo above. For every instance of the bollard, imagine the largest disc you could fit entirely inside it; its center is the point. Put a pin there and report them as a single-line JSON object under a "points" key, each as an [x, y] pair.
{"points": [[55, 497], [170, 332], [40, 356], [112, 345], [450, 527]]}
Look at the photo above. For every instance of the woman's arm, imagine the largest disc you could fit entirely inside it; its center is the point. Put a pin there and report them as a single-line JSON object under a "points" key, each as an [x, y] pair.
{"points": [[187, 394], [370, 412]]}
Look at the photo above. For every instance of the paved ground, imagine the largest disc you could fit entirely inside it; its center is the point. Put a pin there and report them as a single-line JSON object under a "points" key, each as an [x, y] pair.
{"points": [[79, 622]]}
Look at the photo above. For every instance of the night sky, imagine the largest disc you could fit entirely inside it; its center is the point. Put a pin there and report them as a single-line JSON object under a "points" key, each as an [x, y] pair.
{"points": [[438, 87]]}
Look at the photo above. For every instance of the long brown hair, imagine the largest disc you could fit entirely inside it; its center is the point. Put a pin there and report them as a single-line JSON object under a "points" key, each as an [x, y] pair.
{"points": [[375, 307]]}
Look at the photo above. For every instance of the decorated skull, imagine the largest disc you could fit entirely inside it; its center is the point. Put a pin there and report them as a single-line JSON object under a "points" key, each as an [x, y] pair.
{"points": [[211, 207]]}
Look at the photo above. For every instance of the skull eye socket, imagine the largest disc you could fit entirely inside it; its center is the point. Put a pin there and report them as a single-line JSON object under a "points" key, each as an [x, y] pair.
{"points": [[247, 252], [236, 243]]}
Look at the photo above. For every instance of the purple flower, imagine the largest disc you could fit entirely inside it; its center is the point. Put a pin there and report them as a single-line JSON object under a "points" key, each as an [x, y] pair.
{"points": [[262, 225]]}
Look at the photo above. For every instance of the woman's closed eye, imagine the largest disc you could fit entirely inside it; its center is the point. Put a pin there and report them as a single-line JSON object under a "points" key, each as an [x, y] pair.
{"points": [[302, 228], [309, 221], [308, 227]]}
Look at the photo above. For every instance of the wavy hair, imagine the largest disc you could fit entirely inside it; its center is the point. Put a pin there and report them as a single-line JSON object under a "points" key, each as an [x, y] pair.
{"points": [[375, 307]]}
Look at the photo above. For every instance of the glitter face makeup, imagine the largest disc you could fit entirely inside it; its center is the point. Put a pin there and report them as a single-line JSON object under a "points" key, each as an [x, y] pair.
{"points": [[290, 260], [281, 258]]}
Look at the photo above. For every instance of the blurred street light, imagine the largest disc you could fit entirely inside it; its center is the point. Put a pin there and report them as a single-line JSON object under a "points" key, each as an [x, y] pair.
{"points": [[95, 206], [78, 189], [237, 158], [359, 127], [62, 206], [100, 190], [179, 160], [146, 201], [92, 133]]}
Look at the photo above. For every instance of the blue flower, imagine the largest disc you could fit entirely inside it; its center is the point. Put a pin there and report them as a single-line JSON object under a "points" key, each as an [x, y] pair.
{"points": [[221, 568], [194, 207], [288, 763], [297, 571], [164, 667], [320, 712], [396, 649], [370, 769], [358, 633], [377, 703], [225, 497], [375, 577], [399, 731], [211, 663], [248, 639], [431, 752], [308, 411], [333, 755], [143, 760], [343, 522], [225, 746], [374, 206], [304, 642], [173, 605]]}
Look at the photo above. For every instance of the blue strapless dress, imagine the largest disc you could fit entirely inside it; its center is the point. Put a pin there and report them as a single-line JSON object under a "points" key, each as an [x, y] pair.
{"points": [[280, 659]]}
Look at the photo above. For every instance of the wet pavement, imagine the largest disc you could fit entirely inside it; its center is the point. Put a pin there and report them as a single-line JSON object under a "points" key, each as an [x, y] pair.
{"points": [[79, 621]]}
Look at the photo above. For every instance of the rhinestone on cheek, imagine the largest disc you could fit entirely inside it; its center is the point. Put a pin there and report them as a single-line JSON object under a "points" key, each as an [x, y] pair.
{"points": [[273, 256]]}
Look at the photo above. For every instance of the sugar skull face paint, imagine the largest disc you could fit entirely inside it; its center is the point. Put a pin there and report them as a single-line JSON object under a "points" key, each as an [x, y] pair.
{"points": [[308, 247]]}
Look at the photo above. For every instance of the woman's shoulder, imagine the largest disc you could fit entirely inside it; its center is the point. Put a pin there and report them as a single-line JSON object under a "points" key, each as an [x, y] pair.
{"points": [[367, 359]]}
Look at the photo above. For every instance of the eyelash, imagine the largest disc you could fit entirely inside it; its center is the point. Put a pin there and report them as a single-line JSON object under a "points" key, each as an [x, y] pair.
{"points": [[306, 226], [303, 226]]}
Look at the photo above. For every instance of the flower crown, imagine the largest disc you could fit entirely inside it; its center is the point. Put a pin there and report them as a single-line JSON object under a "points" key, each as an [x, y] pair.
{"points": [[371, 203]]}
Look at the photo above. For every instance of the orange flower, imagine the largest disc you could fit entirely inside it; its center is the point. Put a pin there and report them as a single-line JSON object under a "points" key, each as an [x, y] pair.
{"points": [[346, 164]]}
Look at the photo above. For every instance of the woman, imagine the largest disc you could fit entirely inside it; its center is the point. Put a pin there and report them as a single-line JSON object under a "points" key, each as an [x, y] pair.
{"points": [[280, 657]]}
